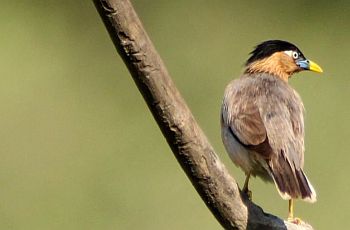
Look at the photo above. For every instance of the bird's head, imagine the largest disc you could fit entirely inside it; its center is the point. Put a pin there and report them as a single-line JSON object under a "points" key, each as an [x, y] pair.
{"points": [[279, 58]]}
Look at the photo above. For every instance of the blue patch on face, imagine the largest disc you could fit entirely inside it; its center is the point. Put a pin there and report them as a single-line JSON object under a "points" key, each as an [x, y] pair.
{"points": [[304, 63]]}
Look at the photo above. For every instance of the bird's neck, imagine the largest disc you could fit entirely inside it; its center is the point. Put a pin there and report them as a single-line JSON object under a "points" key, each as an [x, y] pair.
{"points": [[272, 65]]}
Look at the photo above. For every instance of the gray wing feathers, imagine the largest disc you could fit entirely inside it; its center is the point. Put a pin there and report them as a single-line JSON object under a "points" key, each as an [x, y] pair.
{"points": [[260, 108], [284, 126], [242, 116]]}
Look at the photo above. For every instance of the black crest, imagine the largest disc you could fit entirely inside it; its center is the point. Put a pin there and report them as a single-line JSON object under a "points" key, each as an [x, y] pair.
{"points": [[267, 48]]}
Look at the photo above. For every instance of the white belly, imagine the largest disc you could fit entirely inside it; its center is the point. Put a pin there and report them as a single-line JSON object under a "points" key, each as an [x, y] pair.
{"points": [[249, 161]]}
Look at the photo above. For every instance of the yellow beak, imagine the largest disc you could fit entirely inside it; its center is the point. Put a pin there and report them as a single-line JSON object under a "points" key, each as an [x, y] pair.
{"points": [[314, 67]]}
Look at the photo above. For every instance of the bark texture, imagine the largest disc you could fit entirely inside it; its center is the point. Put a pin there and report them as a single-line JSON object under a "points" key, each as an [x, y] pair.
{"points": [[193, 151]]}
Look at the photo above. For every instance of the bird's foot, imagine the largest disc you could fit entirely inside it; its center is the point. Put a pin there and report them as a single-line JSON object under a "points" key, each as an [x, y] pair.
{"points": [[294, 220], [248, 193]]}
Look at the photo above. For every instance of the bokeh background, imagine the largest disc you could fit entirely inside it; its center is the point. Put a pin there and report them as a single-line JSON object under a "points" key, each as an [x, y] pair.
{"points": [[79, 148]]}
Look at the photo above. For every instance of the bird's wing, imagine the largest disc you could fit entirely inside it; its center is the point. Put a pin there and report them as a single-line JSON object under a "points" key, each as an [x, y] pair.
{"points": [[242, 116], [265, 122], [283, 122], [282, 115]]}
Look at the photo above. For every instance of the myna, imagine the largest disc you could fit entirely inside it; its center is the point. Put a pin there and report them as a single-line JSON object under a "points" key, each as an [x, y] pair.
{"points": [[262, 120]]}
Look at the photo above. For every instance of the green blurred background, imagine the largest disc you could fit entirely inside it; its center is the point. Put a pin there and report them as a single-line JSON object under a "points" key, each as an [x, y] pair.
{"points": [[79, 148]]}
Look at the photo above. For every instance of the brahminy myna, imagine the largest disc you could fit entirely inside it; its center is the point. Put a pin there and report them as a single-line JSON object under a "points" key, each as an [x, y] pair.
{"points": [[262, 123]]}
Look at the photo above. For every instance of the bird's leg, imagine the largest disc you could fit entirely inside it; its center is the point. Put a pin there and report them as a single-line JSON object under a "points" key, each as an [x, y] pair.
{"points": [[291, 217], [245, 187], [290, 210]]}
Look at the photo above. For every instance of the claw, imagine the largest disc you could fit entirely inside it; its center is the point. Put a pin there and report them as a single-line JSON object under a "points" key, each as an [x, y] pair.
{"points": [[295, 220], [249, 194]]}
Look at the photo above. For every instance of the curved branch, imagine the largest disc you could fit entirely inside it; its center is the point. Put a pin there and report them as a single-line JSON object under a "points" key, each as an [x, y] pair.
{"points": [[193, 151]]}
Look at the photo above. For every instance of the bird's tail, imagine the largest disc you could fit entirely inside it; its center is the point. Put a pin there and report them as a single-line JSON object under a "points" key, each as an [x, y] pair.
{"points": [[291, 183]]}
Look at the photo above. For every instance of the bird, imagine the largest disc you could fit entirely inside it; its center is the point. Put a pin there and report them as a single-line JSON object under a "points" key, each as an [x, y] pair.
{"points": [[262, 121]]}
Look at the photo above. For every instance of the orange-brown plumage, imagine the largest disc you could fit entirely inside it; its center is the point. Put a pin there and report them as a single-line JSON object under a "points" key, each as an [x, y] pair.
{"points": [[278, 64]]}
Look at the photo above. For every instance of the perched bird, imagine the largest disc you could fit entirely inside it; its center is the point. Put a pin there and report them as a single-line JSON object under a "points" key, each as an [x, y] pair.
{"points": [[262, 123]]}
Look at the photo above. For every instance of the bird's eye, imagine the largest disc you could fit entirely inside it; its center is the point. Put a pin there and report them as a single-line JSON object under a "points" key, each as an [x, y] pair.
{"points": [[295, 55]]}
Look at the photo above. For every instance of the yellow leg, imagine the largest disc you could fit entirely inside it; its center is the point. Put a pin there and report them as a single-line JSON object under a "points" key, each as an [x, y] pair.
{"points": [[291, 217], [290, 210], [245, 187], [246, 182]]}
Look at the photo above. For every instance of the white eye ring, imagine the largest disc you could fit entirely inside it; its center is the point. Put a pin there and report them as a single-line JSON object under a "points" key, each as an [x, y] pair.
{"points": [[295, 55]]}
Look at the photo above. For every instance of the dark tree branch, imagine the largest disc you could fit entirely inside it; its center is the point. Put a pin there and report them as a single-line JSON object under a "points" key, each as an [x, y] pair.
{"points": [[208, 175]]}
